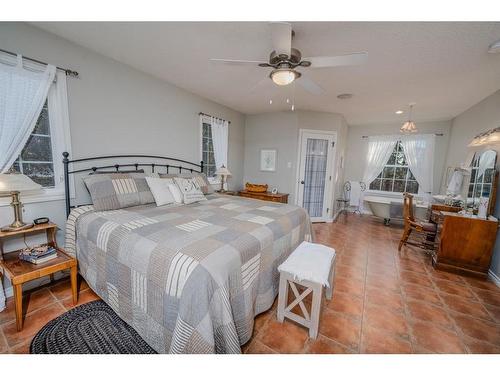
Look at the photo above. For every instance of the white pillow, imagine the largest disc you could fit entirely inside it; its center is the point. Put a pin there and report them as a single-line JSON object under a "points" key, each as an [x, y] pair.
{"points": [[160, 190], [174, 190]]}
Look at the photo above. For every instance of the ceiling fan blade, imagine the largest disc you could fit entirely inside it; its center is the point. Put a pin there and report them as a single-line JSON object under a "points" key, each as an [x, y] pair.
{"points": [[281, 36], [264, 83], [310, 85], [238, 62], [331, 61]]}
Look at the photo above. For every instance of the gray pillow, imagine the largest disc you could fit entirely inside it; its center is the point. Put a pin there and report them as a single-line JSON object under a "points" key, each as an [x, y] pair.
{"points": [[113, 191]]}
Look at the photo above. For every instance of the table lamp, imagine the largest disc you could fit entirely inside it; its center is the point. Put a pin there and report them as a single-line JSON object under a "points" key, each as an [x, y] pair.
{"points": [[223, 172], [13, 184]]}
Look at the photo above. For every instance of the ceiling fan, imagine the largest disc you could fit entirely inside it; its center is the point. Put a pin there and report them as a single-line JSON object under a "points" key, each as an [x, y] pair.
{"points": [[284, 59]]}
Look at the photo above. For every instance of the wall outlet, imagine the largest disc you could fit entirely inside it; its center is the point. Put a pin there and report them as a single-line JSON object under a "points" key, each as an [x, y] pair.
{"points": [[289, 164]]}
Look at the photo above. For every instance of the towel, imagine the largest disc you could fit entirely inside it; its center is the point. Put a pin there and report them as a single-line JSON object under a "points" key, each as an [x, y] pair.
{"points": [[455, 184], [311, 262], [355, 196]]}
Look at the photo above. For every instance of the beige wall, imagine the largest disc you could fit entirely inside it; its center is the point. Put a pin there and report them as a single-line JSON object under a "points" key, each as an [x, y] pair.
{"points": [[357, 147], [280, 131], [116, 109], [483, 116]]}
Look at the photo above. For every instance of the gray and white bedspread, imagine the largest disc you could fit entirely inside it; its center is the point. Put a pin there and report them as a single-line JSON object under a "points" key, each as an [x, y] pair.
{"points": [[191, 278]]}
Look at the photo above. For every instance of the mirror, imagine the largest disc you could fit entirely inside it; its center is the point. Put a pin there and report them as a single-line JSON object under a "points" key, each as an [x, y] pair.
{"points": [[483, 180]]}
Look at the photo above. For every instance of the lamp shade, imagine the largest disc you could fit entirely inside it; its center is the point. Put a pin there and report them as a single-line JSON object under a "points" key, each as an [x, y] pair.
{"points": [[223, 171], [17, 182]]}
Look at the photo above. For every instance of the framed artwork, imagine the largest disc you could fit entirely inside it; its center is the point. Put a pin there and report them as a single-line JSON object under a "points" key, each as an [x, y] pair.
{"points": [[268, 160]]}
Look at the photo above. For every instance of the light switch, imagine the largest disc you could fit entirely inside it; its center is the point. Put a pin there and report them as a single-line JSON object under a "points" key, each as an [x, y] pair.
{"points": [[289, 164]]}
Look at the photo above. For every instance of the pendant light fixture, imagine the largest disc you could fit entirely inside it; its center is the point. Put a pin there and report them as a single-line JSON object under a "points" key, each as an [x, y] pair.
{"points": [[409, 126]]}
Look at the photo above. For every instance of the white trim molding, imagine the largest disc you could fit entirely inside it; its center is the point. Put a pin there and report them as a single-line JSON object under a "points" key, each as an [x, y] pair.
{"points": [[494, 278]]}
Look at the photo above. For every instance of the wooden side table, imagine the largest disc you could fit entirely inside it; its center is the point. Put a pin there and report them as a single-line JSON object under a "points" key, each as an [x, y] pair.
{"points": [[20, 272], [265, 196]]}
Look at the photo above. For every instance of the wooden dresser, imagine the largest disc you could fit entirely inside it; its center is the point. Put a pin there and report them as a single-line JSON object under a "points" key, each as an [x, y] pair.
{"points": [[266, 196], [465, 243]]}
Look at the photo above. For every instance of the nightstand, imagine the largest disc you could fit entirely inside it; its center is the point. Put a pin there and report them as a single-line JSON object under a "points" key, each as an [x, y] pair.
{"points": [[20, 272]]}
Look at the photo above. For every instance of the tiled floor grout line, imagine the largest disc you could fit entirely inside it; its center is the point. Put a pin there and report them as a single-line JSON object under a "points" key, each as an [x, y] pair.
{"points": [[364, 304], [406, 312], [450, 317]]}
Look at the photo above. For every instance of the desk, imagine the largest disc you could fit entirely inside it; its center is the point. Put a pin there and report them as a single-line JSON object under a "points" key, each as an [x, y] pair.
{"points": [[465, 243]]}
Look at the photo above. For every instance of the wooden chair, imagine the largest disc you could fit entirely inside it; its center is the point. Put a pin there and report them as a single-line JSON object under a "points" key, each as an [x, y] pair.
{"points": [[425, 231]]}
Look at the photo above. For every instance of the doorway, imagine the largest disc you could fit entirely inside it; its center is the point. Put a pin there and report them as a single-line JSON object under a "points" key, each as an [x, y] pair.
{"points": [[315, 172]]}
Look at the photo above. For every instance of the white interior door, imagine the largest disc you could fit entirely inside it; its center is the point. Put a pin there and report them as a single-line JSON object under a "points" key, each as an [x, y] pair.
{"points": [[315, 174]]}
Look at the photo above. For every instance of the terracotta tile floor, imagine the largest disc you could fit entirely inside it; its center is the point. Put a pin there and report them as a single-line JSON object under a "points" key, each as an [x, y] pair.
{"points": [[384, 302], [40, 306]]}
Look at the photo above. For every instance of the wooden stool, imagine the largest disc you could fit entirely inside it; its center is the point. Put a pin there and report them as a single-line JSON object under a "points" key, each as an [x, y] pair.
{"points": [[296, 270]]}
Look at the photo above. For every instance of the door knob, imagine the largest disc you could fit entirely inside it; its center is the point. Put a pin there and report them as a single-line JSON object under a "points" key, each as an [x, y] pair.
{"points": [[302, 182]]}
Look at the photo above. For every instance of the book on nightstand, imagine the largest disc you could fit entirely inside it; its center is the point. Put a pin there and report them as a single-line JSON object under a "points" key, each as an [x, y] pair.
{"points": [[38, 255]]}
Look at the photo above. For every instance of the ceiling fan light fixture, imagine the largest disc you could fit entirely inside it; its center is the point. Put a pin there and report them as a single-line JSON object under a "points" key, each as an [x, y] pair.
{"points": [[283, 77]]}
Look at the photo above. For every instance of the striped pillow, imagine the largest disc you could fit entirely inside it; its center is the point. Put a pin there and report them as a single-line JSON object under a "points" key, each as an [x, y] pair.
{"points": [[118, 190]]}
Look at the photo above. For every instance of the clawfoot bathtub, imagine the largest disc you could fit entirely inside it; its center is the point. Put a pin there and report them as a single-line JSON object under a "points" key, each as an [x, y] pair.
{"points": [[380, 207]]}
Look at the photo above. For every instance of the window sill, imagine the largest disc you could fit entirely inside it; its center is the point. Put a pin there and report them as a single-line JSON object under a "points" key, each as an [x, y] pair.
{"points": [[45, 196]]}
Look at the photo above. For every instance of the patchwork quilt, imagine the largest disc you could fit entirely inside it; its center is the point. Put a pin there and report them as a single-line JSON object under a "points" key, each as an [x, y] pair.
{"points": [[188, 278]]}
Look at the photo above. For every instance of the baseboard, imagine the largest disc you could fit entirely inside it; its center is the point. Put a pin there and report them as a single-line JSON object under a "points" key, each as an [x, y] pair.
{"points": [[494, 278]]}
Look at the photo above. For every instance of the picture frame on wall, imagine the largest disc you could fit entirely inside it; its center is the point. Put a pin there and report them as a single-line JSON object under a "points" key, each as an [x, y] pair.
{"points": [[268, 160]]}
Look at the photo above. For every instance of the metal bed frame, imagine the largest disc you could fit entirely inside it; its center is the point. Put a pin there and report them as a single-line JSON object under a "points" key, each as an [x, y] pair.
{"points": [[183, 165]]}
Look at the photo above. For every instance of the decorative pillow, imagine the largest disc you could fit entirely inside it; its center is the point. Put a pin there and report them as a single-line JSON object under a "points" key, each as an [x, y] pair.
{"points": [[174, 190], [190, 189], [118, 190], [201, 179], [160, 189]]}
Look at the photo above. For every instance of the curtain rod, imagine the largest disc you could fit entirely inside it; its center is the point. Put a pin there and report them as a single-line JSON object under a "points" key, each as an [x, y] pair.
{"points": [[436, 134], [218, 118], [68, 72]]}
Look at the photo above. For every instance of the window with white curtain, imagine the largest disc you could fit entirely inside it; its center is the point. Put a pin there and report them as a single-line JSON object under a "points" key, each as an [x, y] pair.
{"points": [[207, 150], [41, 156], [37, 160], [396, 176]]}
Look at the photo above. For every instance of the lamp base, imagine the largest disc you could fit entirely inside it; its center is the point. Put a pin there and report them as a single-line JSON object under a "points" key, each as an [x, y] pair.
{"points": [[14, 227], [18, 224]]}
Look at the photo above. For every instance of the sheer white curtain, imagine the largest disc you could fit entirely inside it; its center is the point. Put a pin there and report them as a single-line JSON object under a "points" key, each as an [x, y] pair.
{"points": [[22, 95], [419, 152], [379, 151], [220, 133]]}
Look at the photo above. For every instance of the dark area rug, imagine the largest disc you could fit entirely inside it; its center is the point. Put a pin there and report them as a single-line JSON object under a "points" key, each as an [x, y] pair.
{"points": [[92, 328]]}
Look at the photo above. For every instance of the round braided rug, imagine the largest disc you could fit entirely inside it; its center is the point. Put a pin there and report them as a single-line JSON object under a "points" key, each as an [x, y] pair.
{"points": [[92, 328]]}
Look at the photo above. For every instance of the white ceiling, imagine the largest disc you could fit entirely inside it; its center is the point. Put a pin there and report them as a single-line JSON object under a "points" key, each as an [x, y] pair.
{"points": [[444, 67]]}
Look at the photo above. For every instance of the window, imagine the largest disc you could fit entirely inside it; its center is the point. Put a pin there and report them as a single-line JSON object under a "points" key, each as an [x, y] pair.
{"points": [[480, 183], [41, 157], [208, 151], [36, 160], [396, 176]]}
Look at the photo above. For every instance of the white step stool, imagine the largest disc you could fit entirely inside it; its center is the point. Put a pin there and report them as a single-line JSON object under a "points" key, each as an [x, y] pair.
{"points": [[312, 266]]}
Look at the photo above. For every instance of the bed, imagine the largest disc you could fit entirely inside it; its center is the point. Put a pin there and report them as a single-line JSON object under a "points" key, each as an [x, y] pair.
{"points": [[188, 278]]}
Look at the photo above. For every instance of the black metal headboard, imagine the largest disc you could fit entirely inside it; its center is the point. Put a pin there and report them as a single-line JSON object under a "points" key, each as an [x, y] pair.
{"points": [[182, 166]]}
